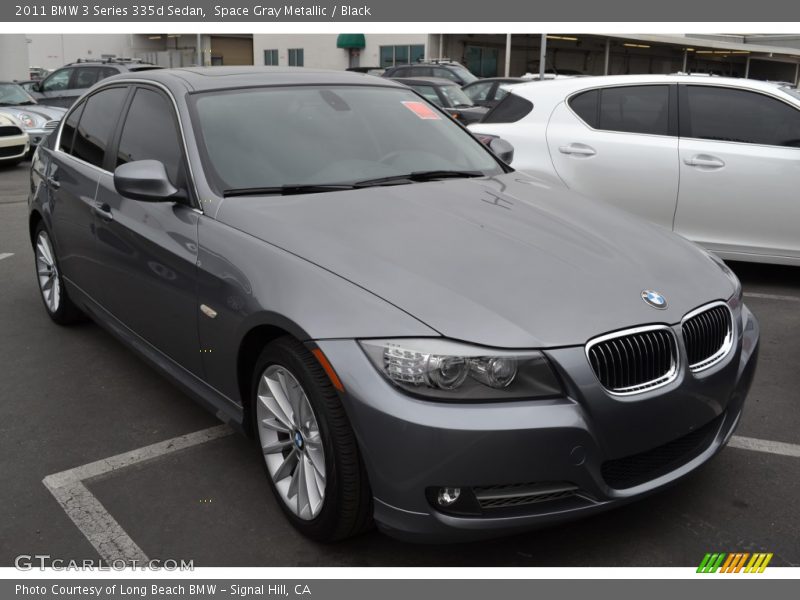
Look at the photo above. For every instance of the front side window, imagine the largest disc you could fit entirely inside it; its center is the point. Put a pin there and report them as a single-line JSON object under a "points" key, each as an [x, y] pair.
{"points": [[150, 133], [327, 135], [69, 128], [58, 81], [731, 115], [85, 77], [295, 57], [626, 109], [97, 123], [456, 96], [271, 58], [479, 91]]}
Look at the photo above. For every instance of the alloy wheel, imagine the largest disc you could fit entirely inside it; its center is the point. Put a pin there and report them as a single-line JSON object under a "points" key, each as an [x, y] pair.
{"points": [[47, 272], [290, 439]]}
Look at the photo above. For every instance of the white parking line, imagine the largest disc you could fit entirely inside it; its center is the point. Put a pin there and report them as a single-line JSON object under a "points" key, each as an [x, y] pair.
{"points": [[782, 448], [91, 517], [6, 255], [772, 296]]}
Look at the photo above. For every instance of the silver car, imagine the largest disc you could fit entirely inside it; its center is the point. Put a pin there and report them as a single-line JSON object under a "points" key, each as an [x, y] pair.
{"points": [[37, 120], [415, 334], [714, 159]]}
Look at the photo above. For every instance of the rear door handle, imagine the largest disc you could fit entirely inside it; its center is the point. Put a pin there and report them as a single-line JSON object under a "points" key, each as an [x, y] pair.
{"points": [[53, 183], [705, 160], [578, 149], [103, 210]]}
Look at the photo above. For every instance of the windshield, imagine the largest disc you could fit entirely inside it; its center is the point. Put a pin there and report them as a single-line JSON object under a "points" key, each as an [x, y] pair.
{"points": [[792, 91], [13, 95], [465, 74], [328, 135], [456, 97]]}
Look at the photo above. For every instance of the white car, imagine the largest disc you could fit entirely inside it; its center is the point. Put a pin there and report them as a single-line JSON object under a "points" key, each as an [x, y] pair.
{"points": [[715, 159], [14, 142]]}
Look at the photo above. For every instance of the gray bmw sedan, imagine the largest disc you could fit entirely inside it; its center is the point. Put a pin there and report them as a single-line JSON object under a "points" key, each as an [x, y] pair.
{"points": [[415, 334]]}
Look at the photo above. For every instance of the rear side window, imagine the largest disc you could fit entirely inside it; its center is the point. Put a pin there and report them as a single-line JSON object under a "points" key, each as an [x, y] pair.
{"points": [[85, 77], [98, 121], [627, 109], [150, 133], [730, 115], [511, 109], [68, 130]]}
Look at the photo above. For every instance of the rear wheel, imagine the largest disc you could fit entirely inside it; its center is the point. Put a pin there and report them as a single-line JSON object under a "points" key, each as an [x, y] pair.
{"points": [[309, 449], [55, 297]]}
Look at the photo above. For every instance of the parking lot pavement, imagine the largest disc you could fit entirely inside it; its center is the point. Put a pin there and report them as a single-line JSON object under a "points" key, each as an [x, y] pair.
{"points": [[71, 396]]}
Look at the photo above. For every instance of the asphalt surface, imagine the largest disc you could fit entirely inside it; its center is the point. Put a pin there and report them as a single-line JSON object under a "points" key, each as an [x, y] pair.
{"points": [[70, 396]]}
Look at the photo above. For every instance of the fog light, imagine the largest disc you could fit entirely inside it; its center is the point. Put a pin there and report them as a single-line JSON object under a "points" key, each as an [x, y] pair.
{"points": [[447, 496]]}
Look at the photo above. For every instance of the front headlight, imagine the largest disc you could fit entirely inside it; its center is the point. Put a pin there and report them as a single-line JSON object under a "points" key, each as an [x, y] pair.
{"points": [[452, 371], [28, 121]]}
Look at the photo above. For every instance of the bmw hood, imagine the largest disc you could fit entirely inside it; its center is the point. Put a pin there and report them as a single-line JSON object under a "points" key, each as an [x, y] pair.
{"points": [[509, 261]]}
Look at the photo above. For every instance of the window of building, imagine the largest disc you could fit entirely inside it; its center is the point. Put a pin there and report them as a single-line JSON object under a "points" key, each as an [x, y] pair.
{"points": [[729, 115], [98, 121], [150, 133], [271, 58], [295, 57], [401, 55]]}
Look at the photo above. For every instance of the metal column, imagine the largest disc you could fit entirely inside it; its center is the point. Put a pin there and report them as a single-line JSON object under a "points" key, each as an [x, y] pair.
{"points": [[508, 54], [747, 68], [685, 61], [199, 51], [607, 57], [542, 56]]}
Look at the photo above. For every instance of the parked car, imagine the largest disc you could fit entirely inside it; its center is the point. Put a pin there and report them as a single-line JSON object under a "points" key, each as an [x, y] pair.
{"points": [[14, 143], [37, 120], [448, 96], [377, 71], [444, 69], [413, 333], [488, 92], [65, 85], [715, 159]]}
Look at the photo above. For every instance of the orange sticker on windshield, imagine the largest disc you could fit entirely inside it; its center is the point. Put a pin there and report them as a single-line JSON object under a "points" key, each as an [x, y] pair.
{"points": [[422, 110]]}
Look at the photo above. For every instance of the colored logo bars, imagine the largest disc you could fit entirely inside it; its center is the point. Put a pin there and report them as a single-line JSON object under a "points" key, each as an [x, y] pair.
{"points": [[734, 562]]}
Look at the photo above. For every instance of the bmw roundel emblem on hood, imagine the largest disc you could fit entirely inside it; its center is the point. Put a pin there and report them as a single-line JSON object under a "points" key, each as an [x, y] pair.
{"points": [[654, 299]]}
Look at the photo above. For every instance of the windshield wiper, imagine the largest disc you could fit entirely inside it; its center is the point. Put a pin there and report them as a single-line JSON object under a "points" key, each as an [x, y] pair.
{"points": [[287, 190], [290, 189], [417, 176]]}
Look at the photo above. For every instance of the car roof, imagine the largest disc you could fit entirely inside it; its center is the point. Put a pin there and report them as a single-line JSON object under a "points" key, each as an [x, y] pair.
{"points": [[571, 84], [500, 79], [425, 81], [200, 79]]}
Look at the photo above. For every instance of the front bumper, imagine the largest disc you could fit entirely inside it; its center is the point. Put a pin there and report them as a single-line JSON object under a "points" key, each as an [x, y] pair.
{"points": [[14, 147], [410, 446]]}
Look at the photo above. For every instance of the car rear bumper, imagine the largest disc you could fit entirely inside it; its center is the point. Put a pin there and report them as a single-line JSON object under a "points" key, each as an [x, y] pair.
{"points": [[532, 463]]}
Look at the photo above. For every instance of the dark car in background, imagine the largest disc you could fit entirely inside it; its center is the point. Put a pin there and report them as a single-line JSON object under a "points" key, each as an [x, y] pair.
{"points": [[488, 92], [65, 85], [447, 95], [443, 69]]}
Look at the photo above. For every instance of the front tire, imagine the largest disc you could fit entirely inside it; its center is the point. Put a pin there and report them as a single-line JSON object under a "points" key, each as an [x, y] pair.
{"points": [[56, 301], [309, 450]]}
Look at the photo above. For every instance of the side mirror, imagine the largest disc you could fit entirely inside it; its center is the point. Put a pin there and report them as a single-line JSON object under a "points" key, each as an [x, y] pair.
{"points": [[502, 149], [144, 180], [37, 87]]}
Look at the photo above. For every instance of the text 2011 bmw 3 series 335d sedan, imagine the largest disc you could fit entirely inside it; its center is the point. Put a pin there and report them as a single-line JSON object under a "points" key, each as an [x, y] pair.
{"points": [[415, 334]]}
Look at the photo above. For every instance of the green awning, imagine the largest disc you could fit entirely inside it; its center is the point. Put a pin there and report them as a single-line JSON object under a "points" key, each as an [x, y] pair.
{"points": [[351, 40]]}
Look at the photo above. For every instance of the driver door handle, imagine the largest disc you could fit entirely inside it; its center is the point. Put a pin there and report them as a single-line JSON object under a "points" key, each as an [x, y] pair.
{"points": [[705, 160], [103, 211], [579, 149]]}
